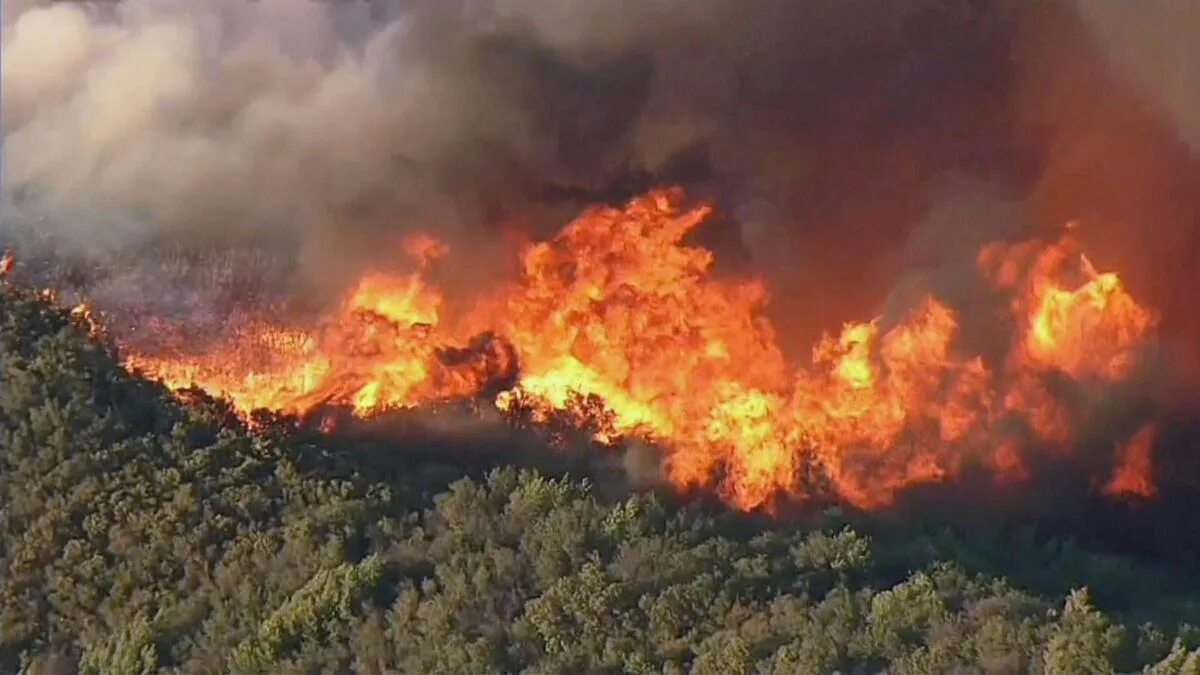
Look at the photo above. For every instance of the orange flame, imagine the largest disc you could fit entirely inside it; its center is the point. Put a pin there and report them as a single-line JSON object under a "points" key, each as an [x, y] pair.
{"points": [[1133, 475], [1091, 330], [618, 307], [379, 352]]}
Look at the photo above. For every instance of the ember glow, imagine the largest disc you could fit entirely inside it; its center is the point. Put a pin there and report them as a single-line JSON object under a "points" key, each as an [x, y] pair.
{"points": [[618, 307]]}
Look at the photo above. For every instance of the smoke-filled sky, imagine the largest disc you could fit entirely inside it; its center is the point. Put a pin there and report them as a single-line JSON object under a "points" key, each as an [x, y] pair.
{"points": [[853, 148]]}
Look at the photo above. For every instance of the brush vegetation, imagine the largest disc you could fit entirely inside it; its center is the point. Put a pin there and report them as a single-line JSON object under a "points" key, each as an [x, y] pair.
{"points": [[144, 532]]}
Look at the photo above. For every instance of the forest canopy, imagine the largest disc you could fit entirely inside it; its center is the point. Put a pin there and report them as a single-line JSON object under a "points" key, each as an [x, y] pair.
{"points": [[149, 532]]}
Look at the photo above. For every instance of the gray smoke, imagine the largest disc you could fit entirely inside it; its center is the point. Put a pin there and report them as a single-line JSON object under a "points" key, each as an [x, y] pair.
{"points": [[290, 143], [1156, 47], [307, 123], [326, 129]]}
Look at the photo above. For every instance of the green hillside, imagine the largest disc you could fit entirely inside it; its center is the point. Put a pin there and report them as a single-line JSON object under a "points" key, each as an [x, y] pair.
{"points": [[145, 534]]}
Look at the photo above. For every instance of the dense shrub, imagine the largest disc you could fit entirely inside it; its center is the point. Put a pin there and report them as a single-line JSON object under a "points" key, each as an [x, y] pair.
{"points": [[142, 533]]}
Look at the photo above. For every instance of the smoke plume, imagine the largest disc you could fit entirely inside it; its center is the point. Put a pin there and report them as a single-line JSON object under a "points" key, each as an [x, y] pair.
{"points": [[315, 133]]}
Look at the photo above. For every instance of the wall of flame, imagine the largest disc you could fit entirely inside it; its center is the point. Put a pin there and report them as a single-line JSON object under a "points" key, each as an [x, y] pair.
{"points": [[617, 305]]}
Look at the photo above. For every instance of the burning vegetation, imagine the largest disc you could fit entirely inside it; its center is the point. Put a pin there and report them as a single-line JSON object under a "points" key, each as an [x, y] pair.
{"points": [[592, 336], [618, 307]]}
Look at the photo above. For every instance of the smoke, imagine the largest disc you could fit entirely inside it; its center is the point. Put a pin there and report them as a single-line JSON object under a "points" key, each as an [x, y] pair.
{"points": [[187, 156], [1154, 47], [221, 122], [320, 132]]}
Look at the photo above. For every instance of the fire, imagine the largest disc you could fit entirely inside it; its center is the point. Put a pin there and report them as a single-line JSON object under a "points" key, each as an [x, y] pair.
{"points": [[617, 306], [379, 352], [882, 412], [1133, 473], [1091, 330]]}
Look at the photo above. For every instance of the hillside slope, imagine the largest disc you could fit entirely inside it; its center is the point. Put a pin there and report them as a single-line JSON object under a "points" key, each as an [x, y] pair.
{"points": [[144, 532]]}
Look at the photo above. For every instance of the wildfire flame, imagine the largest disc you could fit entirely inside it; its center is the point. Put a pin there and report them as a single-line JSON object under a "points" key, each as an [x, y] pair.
{"points": [[1132, 475], [618, 307]]}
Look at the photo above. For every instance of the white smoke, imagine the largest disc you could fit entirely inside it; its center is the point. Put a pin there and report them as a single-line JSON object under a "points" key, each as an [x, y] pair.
{"points": [[151, 118]]}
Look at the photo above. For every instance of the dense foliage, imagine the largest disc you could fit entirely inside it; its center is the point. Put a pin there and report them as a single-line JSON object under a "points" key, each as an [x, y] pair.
{"points": [[143, 532]]}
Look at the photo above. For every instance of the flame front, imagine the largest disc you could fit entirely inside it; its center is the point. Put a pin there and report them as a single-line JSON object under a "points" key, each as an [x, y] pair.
{"points": [[379, 352], [618, 307]]}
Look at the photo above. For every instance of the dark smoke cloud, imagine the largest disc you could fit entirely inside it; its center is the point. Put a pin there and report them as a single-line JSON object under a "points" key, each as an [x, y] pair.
{"points": [[288, 143], [318, 131]]}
